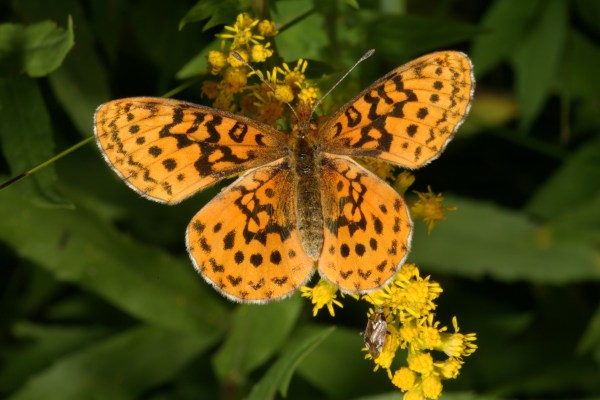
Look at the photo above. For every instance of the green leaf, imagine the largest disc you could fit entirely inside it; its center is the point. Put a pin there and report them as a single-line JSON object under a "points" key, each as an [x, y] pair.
{"points": [[216, 11], [321, 368], [484, 240], [38, 346], [590, 341], [26, 137], [575, 183], [81, 84], [582, 58], [198, 64], [498, 42], [279, 375], [538, 58], [37, 49], [405, 36], [79, 247], [257, 333], [121, 367]]}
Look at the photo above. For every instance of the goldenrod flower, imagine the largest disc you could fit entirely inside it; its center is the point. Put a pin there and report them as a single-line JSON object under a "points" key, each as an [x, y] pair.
{"points": [[429, 208], [285, 93], [216, 61], [234, 80], [234, 61], [294, 77], [267, 28], [242, 31], [449, 368], [404, 378], [414, 394], [381, 168], [323, 294], [403, 181], [432, 387], [420, 362], [210, 89], [260, 53], [308, 94], [456, 344]]}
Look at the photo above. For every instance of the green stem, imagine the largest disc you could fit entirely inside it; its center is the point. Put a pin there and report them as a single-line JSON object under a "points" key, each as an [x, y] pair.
{"points": [[47, 162]]}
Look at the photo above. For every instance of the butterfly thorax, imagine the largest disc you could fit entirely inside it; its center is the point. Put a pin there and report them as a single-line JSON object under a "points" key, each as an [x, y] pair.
{"points": [[305, 160]]}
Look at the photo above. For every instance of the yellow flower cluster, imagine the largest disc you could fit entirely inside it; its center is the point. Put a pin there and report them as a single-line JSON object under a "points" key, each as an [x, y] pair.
{"points": [[408, 305], [247, 39]]}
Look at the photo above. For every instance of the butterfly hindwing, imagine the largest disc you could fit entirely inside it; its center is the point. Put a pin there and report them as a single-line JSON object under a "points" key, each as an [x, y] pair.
{"points": [[167, 150], [408, 116], [246, 242], [367, 228]]}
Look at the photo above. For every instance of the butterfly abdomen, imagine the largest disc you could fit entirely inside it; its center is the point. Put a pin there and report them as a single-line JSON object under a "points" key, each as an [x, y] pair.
{"points": [[305, 156]]}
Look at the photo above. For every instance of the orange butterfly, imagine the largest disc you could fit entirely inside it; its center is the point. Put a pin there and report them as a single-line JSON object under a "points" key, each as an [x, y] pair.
{"points": [[301, 201]]}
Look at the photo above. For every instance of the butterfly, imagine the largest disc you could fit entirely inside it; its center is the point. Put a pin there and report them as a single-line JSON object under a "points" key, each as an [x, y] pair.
{"points": [[301, 202]]}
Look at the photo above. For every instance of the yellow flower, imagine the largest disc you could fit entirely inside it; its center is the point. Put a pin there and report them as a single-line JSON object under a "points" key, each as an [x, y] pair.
{"points": [[323, 294], [210, 89], [260, 53], [216, 61], [224, 101], [403, 181], [404, 379], [234, 61], [294, 77], [418, 296], [408, 271], [285, 93], [414, 394], [420, 362], [381, 168], [456, 344], [234, 80], [429, 208], [308, 94], [267, 28], [241, 31], [449, 368], [432, 387]]}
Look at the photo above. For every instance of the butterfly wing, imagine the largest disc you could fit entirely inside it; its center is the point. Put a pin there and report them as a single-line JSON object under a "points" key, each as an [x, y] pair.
{"points": [[166, 150], [408, 116], [367, 228], [246, 243]]}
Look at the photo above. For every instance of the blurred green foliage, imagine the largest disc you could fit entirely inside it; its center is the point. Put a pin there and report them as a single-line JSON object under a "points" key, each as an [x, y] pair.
{"points": [[99, 299]]}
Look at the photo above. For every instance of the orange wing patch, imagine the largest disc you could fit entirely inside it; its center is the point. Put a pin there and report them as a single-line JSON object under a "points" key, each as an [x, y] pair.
{"points": [[245, 242], [167, 150], [367, 228], [408, 116]]}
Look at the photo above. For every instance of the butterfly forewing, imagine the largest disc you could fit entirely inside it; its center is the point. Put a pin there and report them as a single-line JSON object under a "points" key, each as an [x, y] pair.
{"points": [[367, 228], [245, 241], [167, 150], [408, 116]]}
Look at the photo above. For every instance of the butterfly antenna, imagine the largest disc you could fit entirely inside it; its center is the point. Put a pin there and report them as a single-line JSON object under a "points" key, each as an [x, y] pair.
{"points": [[263, 80], [368, 54]]}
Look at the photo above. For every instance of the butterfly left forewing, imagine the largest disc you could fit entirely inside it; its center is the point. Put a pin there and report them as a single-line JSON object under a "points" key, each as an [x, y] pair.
{"points": [[367, 228], [408, 116], [167, 150]]}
